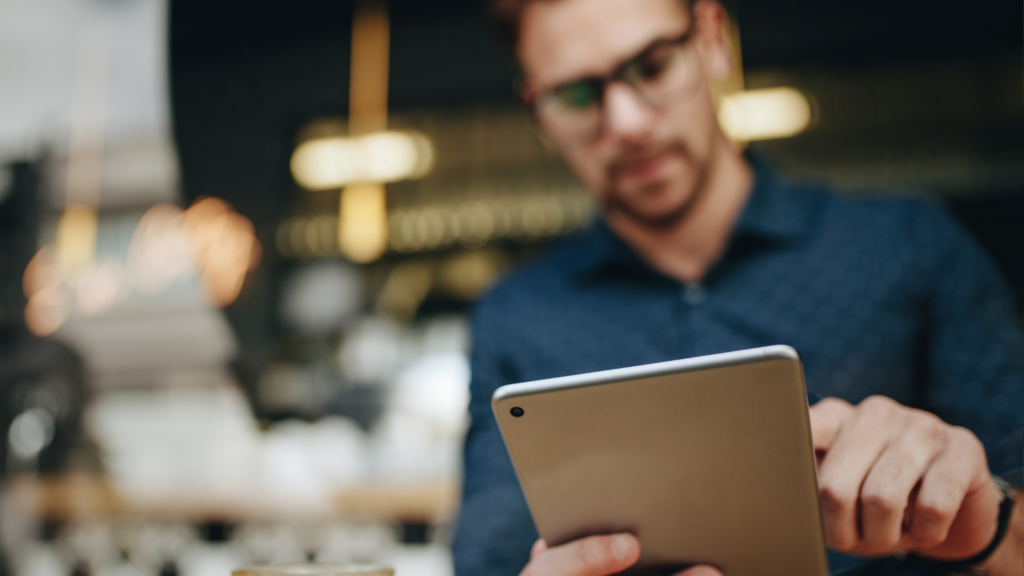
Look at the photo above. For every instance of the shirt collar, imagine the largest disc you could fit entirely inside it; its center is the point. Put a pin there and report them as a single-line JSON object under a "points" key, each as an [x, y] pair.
{"points": [[775, 212]]}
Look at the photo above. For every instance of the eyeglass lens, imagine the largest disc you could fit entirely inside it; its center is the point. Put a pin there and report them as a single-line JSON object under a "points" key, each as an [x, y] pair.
{"points": [[664, 73]]}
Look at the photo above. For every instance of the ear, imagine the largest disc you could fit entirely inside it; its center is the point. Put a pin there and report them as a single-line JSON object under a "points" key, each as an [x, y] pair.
{"points": [[714, 39]]}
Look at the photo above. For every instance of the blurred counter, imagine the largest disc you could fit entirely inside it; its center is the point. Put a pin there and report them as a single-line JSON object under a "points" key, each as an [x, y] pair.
{"points": [[83, 497]]}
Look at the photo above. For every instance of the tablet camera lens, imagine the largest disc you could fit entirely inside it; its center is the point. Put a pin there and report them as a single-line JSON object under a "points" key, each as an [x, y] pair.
{"points": [[517, 411]]}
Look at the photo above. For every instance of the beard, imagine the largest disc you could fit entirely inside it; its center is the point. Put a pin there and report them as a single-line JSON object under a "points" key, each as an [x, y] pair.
{"points": [[660, 204]]}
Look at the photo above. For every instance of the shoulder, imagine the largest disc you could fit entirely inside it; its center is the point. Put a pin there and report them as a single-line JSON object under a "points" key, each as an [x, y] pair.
{"points": [[905, 236], [891, 215], [530, 286]]}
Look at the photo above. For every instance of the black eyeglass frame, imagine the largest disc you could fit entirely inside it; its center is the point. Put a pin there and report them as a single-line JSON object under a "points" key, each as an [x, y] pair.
{"points": [[618, 74]]}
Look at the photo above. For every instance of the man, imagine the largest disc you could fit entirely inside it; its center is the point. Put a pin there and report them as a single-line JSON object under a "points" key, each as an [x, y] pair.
{"points": [[702, 249]]}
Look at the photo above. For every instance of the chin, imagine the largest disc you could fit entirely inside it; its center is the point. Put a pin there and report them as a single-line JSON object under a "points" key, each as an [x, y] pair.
{"points": [[655, 206]]}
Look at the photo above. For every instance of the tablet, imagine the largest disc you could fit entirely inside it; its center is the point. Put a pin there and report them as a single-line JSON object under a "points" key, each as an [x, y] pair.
{"points": [[706, 460]]}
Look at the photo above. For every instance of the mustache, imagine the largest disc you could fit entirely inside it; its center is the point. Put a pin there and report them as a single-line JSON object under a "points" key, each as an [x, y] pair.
{"points": [[633, 156]]}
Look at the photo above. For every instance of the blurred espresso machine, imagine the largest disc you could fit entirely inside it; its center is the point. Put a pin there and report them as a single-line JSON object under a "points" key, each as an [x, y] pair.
{"points": [[42, 382]]}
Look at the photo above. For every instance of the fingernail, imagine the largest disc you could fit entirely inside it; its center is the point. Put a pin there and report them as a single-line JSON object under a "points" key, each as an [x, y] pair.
{"points": [[622, 546], [702, 571]]}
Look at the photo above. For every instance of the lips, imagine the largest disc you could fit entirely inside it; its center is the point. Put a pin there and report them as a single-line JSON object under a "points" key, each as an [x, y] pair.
{"points": [[642, 170]]}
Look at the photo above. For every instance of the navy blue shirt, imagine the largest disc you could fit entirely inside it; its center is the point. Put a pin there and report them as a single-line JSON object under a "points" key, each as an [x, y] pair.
{"points": [[879, 296]]}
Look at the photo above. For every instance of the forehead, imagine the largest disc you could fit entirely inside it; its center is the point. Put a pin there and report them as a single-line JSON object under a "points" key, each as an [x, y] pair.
{"points": [[562, 40]]}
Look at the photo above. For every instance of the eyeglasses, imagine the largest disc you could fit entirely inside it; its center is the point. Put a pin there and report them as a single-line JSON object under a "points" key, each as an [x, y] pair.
{"points": [[665, 72]]}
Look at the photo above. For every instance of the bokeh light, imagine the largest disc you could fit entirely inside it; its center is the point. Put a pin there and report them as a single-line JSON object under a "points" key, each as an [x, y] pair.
{"points": [[764, 114], [330, 163], [224, 246], [363, 231], [159, 250]]}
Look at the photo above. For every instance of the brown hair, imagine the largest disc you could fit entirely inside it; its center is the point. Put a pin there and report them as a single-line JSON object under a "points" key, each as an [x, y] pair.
{"points": [[505, 16]]}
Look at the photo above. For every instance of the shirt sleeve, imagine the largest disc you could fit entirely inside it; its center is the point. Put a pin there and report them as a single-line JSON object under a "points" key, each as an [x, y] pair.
{"points": [[495, 530], [975, 348]]}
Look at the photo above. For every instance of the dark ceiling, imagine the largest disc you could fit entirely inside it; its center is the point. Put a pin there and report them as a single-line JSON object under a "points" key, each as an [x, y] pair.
{"points": [[449, 38]]}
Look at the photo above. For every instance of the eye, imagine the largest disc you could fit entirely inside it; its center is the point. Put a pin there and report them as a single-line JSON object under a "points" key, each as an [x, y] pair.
{"points": [[578, 95], [652, 63]]}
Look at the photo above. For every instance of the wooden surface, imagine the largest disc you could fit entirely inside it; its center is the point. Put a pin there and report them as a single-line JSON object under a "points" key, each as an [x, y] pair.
{"points": [[81, 497]]}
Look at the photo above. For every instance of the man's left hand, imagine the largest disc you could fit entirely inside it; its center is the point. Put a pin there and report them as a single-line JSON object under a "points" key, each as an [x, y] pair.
{"points": [[895, 479]]}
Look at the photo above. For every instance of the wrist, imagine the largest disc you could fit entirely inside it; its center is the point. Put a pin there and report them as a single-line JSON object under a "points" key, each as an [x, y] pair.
{"points": [[1008, 537], [1006, 559]]}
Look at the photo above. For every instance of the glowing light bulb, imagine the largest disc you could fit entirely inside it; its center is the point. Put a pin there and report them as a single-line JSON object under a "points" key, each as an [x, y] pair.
{"points": [[363, 224], [329, 163], [764, 114]]}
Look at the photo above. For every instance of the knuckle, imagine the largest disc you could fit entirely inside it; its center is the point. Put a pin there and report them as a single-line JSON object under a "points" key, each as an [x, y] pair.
{"points": [[926, 421], [909, 454], [930, 427], [834, 498], [877, 405], [879, 501], [833, 402], [933, 512], [965, 437]]}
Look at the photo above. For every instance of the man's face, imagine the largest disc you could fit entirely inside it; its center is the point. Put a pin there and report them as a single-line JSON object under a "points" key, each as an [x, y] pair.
{"points": [[647, 161]]}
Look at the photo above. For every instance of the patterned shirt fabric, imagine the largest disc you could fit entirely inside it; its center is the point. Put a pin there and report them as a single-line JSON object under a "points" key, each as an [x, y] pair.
{"points": [[879, 296]]}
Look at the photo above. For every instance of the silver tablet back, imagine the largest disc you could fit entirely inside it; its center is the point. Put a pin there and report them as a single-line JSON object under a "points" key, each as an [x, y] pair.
{"points": [[706, 460]]}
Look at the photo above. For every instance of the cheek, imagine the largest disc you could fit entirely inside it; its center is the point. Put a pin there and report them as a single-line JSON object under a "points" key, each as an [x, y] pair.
{"points": [[696, 124]]}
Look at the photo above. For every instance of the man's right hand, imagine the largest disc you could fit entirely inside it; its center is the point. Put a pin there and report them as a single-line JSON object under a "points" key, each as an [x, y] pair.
{"points": [[593, 556]]}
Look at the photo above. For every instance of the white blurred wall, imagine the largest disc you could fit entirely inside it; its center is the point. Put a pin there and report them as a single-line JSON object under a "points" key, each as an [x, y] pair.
{"points": [[41, 42]]}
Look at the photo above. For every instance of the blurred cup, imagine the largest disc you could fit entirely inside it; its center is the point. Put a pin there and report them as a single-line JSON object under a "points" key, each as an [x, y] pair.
{"points": [[313, 569]]}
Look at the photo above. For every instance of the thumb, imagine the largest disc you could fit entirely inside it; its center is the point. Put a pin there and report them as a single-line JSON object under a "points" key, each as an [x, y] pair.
{"points": [[593, 556]]}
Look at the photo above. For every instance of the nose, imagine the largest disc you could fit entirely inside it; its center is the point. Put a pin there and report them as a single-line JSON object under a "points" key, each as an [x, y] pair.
{"points": [[627, 116]]}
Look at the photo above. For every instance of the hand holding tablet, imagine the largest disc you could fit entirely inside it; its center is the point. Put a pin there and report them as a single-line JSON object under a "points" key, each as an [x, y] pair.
{"points": [[705, 461], [710, 461], [594, 556]]}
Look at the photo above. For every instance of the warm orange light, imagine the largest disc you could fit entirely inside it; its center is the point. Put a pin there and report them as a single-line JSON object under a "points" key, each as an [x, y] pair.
{"points": [[224, 246], [159, 250], [46, 311], [48, 305], [167, 244]]}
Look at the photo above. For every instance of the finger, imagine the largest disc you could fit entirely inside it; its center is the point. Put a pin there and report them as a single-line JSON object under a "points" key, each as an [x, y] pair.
{"points": [[593, 556], [956, 483], [539, 546], [849, 459], [886, 492], [699, 571], [827, 418]]}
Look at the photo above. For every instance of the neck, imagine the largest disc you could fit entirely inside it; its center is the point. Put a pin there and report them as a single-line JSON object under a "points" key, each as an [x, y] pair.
{"points": [[686, 247]]}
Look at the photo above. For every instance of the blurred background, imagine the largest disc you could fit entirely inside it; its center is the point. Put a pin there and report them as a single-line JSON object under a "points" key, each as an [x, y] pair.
{"points": [[218, 348]]}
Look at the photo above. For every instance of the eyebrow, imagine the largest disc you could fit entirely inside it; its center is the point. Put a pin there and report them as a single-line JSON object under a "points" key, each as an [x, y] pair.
{"points": [[623, 62]]}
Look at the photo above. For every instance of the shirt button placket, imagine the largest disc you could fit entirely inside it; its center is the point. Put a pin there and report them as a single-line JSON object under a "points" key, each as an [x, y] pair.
{"points": [[694, 293]]}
